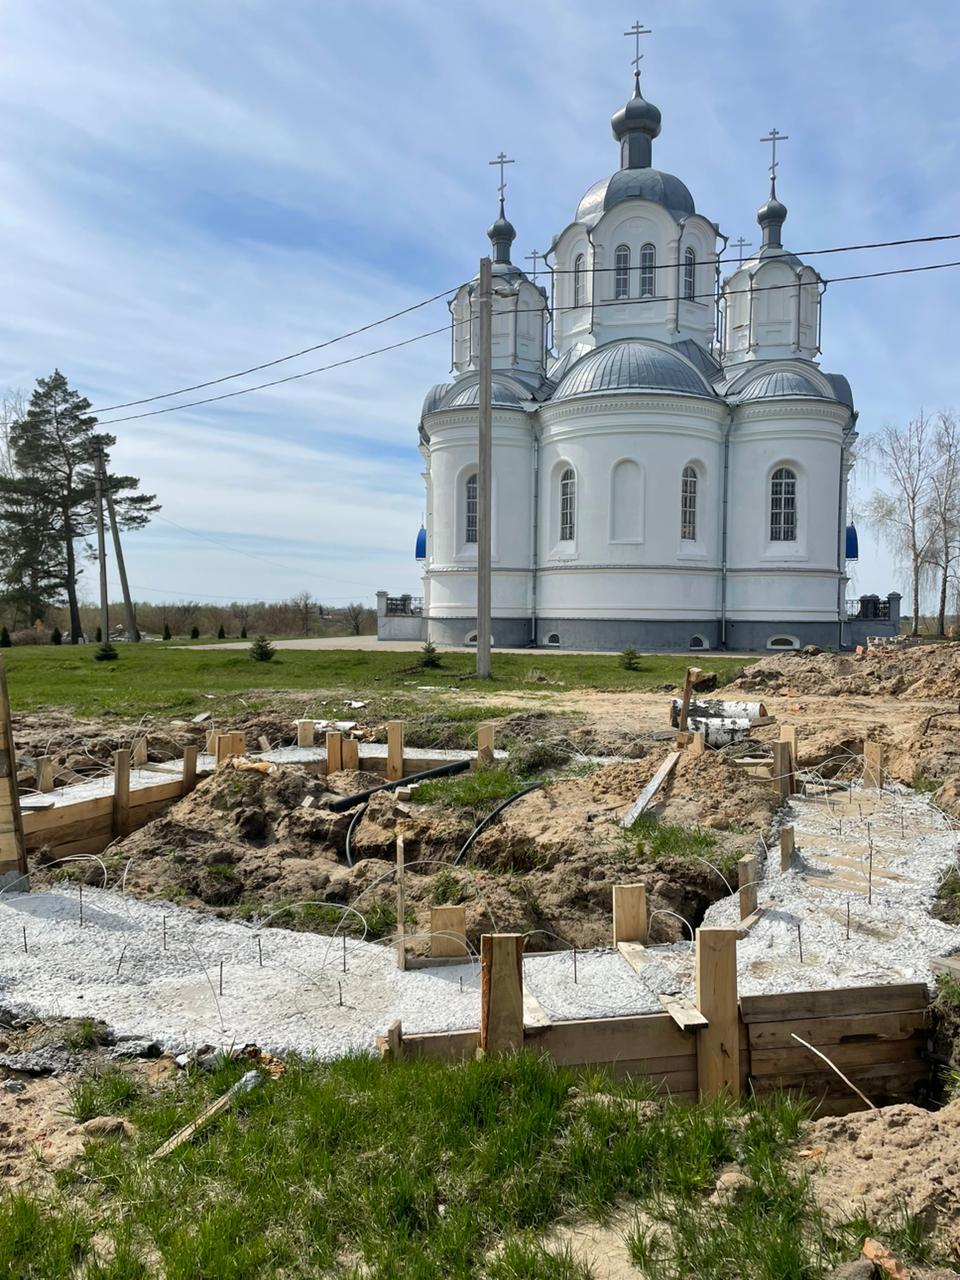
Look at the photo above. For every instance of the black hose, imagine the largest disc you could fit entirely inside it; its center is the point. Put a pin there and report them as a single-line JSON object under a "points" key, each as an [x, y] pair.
{"points": [[490, 817], [442, 771], [353, 822]]}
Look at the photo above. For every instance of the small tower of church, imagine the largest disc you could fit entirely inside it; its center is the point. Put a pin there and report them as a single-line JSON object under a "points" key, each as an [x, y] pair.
{"points": [[772, 302]]}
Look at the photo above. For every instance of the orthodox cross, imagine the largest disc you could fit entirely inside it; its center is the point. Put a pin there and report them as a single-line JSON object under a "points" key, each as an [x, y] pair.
{"points": [[501, 160], [534, 258], [740, 245], [773, 137], [637, 31]]}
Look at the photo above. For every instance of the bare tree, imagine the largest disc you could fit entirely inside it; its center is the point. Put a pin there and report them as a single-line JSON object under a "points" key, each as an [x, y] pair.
{"points": [[907, 456], [944, 510], [303, 603], [356, 617]]}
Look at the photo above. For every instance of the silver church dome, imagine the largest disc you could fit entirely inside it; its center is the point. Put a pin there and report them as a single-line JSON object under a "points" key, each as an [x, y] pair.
{"points": [[782, 382], [631, 364]]}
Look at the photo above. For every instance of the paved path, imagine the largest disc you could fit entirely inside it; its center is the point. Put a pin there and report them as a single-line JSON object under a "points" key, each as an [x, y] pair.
{"points": [[371, 643]]}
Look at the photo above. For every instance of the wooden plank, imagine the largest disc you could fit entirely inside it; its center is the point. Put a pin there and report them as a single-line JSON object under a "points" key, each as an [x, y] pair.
{"points": [[65, 815], [228, 745], [650, 790], [840, 1001], [684, 1013], [485, 745], [189, 779], [747, 869], [442, 1046], [718, 1045], [501, 992], [87, 844], [613, 1039], [401, 908], [153, 795], [878, 1081], [629, 913], [57, 837], [534, 1014], [782, 772], [840, 1030], [306, 733], [44, 773], [635, 954], [747, 923], [14, 858], [121, 792], [391, 1045], [350, 755], [334, 751], [691, 675], [138, 752], [698, 743], [395, 750], [872, 765], [243, 1085], [858, 1053], [448, 928]]}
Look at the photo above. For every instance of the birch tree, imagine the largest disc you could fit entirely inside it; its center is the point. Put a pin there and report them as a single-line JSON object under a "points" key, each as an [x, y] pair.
{"points": [[943, 513]]}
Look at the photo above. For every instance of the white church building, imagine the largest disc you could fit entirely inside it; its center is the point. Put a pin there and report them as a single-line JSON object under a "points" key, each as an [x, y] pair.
{"points": [[670, 461]]}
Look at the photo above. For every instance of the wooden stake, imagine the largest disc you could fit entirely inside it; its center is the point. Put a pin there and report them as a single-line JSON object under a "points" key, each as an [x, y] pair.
{"points": [[501, 992], [786, 847], [138, 755], [121, 792], [350, 755], [13, 856], [391, 1045], [698, 743], [448, 931], [718, 1043], [873, 765], [629, 913], [228, 745], [401, 909], [243, 1085], [688, 682], [334, 752], [306, 733], [394, 750], [189, 770], [485, 748], [44, 773], [748, 885], [782, 774]]}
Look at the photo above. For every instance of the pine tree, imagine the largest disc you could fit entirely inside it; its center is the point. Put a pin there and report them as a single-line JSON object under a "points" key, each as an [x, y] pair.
{"points": [[166, 631], [194, 633], [221, 634], [261, 650], [47, 499], [5, 641], [55, 636], [106, 653], [99, 635], [243, 633]]}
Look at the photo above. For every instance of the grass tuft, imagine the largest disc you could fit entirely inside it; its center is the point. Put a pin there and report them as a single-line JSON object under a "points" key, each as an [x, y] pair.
{"points": [[102, 1093], [476, 792]]}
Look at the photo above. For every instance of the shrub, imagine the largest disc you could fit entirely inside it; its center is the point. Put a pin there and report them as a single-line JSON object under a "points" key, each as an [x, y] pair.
{"points": [[55, 636], [429, 656], [194, 633], [166, 631], [106, 653], [27, 635], [629, 659], [243, 633], [5, 641], [221, 634], [261, 650]]}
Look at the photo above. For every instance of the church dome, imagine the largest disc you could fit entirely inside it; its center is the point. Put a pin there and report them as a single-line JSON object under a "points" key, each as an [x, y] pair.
{"points": [[431, 400], [501, 394], [631, 365], [782, 382]]}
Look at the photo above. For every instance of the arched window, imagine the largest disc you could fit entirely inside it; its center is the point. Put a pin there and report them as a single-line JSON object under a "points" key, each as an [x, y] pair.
{"points": [[568, 505], [470, 525], [783, 505], [688, 505], [578, 280], [621, 277], [648, 271], [690, 275]]}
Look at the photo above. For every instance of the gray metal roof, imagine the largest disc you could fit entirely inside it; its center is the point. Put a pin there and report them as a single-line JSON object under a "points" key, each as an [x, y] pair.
{"points": [[642, 184], [501, 394], [631, 365], [433, 397], [782, 382]]}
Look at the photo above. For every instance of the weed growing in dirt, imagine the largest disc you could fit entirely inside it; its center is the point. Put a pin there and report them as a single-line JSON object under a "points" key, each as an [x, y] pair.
{"points": [[654, 841], [477, 791], [948, 897], [923, 782], [84, 1034], [40, 1242], [446, 887], [103, 1093], [525, 1258]]}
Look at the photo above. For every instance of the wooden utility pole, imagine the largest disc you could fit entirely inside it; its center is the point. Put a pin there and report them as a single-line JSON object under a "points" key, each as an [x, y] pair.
{"points": [[485, 468], [133, 635], [102, 551]]}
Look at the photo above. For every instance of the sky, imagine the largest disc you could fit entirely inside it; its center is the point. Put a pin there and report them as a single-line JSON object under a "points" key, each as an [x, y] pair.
{"points": [[192, 187]]}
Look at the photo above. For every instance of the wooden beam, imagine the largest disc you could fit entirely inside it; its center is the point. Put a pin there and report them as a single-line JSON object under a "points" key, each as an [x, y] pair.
{"points": [[45, 773], [485, 745], [350, 755], [889, 998], [243, 1085], [782, 774], [684, 1013], [873, 765], [138, 754], [448, 931], [121, 792], [786, 847], [718, 1044], [698, 743], [189, 770], [629, 913], [747, 868], [650, 790], [394, 750], [501, 992], [306, 733], [334, 751], [391, 1045], [401, 909], [13, 854], [228, 745], [688, 682]]}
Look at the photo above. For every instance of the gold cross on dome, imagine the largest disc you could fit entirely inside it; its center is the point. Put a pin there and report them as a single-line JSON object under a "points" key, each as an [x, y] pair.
{"points": [[638, 30]]}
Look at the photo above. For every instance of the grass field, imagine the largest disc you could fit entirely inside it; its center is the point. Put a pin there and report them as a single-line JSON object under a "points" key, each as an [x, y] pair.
{"points": [[160, 679], [414, 1171]]}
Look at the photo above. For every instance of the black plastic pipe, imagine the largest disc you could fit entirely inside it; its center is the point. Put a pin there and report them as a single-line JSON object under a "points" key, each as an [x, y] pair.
{"points": [[442, 771], [490, 817]]}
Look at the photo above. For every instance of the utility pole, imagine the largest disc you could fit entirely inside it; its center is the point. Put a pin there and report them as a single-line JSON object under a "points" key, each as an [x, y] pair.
{"points": [[485, 468], [133, 635], [102, 551]]}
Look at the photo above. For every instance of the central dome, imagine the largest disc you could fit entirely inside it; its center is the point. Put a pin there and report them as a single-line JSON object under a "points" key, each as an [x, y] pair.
{"points": [[643, 184], [631, 365]]}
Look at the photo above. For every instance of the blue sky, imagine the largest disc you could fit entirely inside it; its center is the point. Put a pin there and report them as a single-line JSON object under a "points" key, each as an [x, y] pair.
{"points": [[188, 188]]}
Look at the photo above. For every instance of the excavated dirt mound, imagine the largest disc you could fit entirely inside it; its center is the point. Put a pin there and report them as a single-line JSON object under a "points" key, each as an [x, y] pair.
{"points": [[914, 671], [895, 1159]]}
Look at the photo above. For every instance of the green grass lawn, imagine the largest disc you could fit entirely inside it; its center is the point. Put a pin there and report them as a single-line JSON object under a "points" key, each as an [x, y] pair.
{"points": [[162, 679], [415, 1170]]}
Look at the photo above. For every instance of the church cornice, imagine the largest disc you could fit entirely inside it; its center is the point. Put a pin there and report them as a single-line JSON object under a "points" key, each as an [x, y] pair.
{"points": [[638, 402], [766, 410]]}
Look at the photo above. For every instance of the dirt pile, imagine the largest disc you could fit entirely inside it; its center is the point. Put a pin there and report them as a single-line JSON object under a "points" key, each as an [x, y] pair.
{"points": [[915, 671], [892, 1160]]}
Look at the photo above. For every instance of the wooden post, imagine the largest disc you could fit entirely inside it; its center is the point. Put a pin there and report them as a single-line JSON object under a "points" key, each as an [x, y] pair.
{"points": [[13, 854], [138, 755], [121, 792], [391, 1045], [227, 745], [334, 751], [629, 913], [873, 765], [501, 992], [189, 770], [44, 773], [210, 745], [748, 885], [688, 682], [781, 768], [448, 931], [786, 847], [394, 750], [401, 909], [306, 731], [350, 755], [698, 743], [788, 734], [718, 1043], [485, 740]]}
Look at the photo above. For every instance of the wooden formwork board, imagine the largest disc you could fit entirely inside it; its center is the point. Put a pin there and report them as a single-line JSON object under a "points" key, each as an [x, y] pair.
{"points": [[837, 1000], [606, 1040]]}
